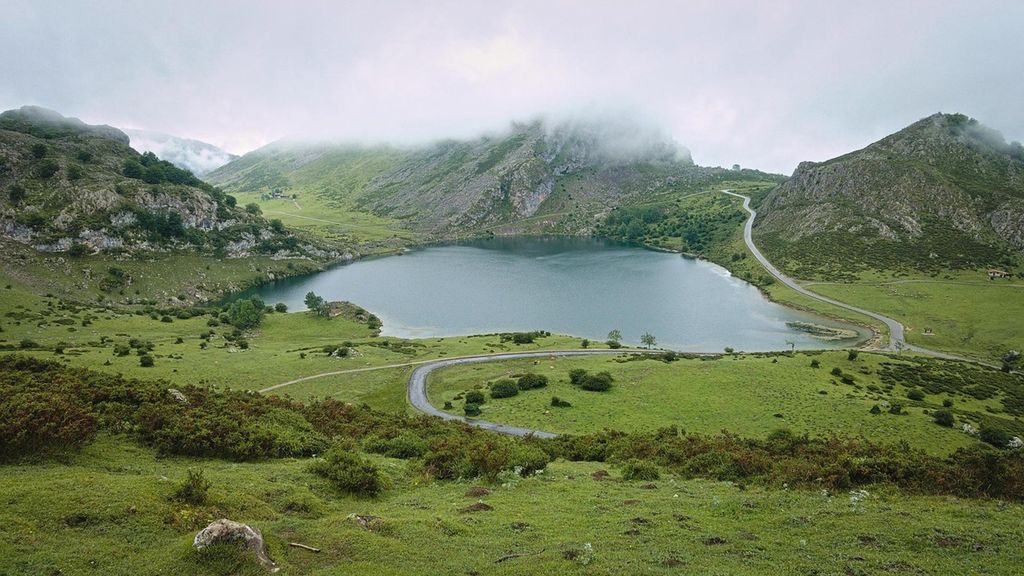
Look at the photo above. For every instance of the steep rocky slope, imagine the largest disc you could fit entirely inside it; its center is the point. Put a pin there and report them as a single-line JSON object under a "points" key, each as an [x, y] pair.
{"points": [[66, 186], [945, 192], [560, 177]]}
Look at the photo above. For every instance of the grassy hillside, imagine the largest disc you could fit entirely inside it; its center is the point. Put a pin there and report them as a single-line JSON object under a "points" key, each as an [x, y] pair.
{"points": [[944, 193], [536, 178]]}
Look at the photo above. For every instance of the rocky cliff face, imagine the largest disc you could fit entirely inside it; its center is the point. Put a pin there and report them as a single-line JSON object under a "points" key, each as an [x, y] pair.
{"points": [[945, 191], [456, 187], [66, 185]]}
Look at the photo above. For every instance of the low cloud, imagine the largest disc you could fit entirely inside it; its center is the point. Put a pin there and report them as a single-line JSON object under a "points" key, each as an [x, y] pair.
{"points": [[764, 85]]}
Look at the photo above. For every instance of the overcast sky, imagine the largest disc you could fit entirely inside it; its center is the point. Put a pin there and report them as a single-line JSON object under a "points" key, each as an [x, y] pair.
{"points": [[762, 84]]}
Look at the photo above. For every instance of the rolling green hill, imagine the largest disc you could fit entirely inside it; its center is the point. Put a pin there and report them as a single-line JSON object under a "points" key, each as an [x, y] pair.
{"points": [[944, 193]]}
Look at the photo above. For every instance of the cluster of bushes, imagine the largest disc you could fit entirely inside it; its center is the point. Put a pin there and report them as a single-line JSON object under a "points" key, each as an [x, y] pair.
{"points": [[934, 376], [50, 407], [697, 230], [802, 461], [524, 337], [153, 170], [598, 382]]}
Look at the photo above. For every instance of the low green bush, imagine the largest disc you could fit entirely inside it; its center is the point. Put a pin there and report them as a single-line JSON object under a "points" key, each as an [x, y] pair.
{"points": [[194, 490], [504, 389], [943, 418], [349, 471], [640, 470], [474, 397], [532, 381]]}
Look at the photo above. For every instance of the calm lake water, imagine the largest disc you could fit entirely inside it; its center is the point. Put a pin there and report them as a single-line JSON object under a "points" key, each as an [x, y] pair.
{"points": [[577, 286]]}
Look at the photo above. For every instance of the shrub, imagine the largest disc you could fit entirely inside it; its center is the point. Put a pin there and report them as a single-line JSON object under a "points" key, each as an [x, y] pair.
{"points": [[532, 381], [146, 361], [585, 343], [815, 363], [837, 371], [504, 389], [640, 470], [851, 355], [405, 445], [995, 436], [947, 403], [943, 418], [166, 318], [471, 409], [245, 314], [280, 307], [474, 397], [47, 168], [349, 471], [896, 409], [559, 403], [576, 376], [613, 344], [875, 409], [523, 338], [27, 344], [194, 489], [599, 382], [915, 394]]}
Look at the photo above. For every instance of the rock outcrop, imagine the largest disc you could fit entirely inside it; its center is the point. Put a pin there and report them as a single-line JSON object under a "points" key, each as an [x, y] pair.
{"points": [[227, 531]]}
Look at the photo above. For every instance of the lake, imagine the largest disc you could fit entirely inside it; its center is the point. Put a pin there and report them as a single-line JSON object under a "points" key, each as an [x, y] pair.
{"points": [[579, 286]]}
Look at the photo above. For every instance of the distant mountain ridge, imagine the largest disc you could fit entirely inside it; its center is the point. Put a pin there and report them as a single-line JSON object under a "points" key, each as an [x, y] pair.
{"points": [[557, 178], [945, 192], [195, 156]]}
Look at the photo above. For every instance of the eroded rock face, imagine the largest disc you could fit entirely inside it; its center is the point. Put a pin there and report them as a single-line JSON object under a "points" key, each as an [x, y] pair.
{"points": [[225, 530]]}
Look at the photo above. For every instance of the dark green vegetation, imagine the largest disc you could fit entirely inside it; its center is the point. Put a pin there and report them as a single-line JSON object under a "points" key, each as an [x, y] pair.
{"points": [[944, 193], [536, 178]]}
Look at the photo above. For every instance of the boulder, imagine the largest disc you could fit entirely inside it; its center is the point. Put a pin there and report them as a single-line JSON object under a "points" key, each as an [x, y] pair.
{"points": [[225, 530]]}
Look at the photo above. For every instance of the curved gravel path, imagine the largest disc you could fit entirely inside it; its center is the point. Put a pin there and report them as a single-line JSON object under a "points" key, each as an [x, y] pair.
{"points": [[417, 386]]}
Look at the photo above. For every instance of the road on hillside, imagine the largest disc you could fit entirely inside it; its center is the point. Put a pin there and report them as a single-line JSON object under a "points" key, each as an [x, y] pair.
{"points": [[417, 386], [897, 340]]}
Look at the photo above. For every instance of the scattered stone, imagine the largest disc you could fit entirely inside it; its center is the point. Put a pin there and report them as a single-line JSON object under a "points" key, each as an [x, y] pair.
{"points": [[225, 530], [366, 522], [178, 396]]}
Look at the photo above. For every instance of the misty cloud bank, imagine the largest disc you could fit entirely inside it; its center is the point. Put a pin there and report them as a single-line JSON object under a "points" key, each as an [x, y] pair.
{"points": [[765, 85]]}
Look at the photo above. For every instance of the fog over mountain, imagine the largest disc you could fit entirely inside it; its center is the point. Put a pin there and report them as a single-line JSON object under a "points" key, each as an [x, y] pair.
{"points": [[199, 157], [765, 85]]}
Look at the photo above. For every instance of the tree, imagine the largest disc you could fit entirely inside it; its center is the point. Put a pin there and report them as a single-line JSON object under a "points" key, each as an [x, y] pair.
{"points": [[615, 336], [253, 208], [245, 314], [39, 150], [316, 304], [943, 418], [648, 340]]}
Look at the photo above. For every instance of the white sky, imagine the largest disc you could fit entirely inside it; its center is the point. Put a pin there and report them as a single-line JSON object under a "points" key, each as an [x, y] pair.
{"points": [[762, 84]]}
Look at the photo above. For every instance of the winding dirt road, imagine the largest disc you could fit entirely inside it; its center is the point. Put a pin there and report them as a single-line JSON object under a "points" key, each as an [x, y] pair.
{"points": [[897, 340], [417, 387]]}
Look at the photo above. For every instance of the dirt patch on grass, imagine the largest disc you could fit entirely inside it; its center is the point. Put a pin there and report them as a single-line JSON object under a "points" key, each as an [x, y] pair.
{"points": [[478, 507]]}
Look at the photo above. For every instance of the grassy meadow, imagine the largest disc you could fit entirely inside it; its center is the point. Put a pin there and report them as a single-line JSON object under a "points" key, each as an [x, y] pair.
{"points": [[751, 395], [109, 509]]}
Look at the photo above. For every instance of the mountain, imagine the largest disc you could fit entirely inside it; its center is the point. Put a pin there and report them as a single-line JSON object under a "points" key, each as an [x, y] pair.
{"points": [[66, 186], [192, 155], [535, 177], [945, 192]]}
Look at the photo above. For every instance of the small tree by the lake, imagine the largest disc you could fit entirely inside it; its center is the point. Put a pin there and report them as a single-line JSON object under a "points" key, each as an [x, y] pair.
{"points": [[316, 304], [614, 339], [648, 340]]}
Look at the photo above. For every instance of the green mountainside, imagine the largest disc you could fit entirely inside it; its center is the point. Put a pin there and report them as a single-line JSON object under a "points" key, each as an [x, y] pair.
{"points": [[536, 178], [66, 186], [944, 193]]}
